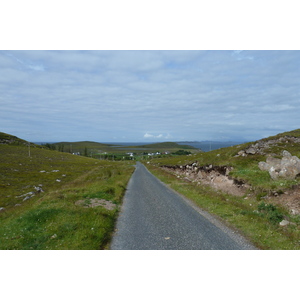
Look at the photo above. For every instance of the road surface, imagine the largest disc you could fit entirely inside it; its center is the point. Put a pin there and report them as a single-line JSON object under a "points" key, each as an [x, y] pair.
{"points": [[154, 217]]}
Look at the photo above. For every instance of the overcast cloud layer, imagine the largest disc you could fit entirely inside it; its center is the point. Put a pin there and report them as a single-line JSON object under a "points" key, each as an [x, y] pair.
{"points": [[145, 96]]}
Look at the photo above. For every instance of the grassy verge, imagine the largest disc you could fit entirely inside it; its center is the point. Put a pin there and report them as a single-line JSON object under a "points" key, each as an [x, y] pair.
{"points": [[51, 219], [257, 221], [244, 168]]}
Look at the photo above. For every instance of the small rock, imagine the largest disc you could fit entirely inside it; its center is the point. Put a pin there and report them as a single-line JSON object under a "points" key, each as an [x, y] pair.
{"points": [[284, 223], [38, 189], [58, 180], [2, 208], [294, 212], [286, 153], [27, 197]]}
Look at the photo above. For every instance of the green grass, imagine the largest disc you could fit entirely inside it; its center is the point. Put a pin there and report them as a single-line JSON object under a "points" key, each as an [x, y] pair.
{"points": [[246, 215], [51, 220]]}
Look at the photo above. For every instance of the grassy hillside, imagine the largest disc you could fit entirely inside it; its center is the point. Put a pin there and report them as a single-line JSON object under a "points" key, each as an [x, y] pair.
{"points": [[39, 194], [8, 139], [293, 133], [258, 212]]}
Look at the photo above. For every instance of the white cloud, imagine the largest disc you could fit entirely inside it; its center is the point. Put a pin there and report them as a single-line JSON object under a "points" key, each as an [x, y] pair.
{"points": [[160, 136], [36, 67], [190, 94], [26, 63], [240, 55], [152, 136], [277, 108]]}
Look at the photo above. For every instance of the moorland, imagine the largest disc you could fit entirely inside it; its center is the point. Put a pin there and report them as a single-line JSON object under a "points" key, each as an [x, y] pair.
{"points": [[64, 199], [54, 199]]}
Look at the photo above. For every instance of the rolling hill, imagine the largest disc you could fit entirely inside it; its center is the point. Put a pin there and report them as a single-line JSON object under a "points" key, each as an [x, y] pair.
{"points": [[228, 182], [48, 198]]}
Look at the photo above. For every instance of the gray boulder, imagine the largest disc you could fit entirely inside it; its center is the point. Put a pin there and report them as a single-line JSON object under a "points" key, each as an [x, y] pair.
{"points": [[264, 166], [252, 150], [274, 162], [288, 167]]}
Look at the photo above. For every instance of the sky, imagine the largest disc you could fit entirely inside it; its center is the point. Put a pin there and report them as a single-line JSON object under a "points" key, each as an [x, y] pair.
{"points": [[148, 96]]}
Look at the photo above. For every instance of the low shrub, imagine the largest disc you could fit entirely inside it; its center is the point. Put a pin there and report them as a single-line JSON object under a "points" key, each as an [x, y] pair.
{"points": [[271, 212]]}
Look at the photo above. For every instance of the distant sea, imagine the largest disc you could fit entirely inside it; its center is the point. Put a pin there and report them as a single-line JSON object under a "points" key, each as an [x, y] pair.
{"points": [[127, 144], [206, 146]]}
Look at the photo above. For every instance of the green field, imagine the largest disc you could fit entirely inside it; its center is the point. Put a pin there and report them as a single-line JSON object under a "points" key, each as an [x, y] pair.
{"points": [[38, 196]]}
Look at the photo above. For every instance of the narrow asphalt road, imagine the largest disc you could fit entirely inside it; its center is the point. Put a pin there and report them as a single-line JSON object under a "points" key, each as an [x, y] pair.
{"points": [[154, 217]]}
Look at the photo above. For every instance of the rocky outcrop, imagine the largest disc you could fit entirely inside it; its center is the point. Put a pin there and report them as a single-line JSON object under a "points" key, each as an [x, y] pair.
{"points": [[38, 189], [13, 140], [215, 176], [262, 145], [288, 167]]}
